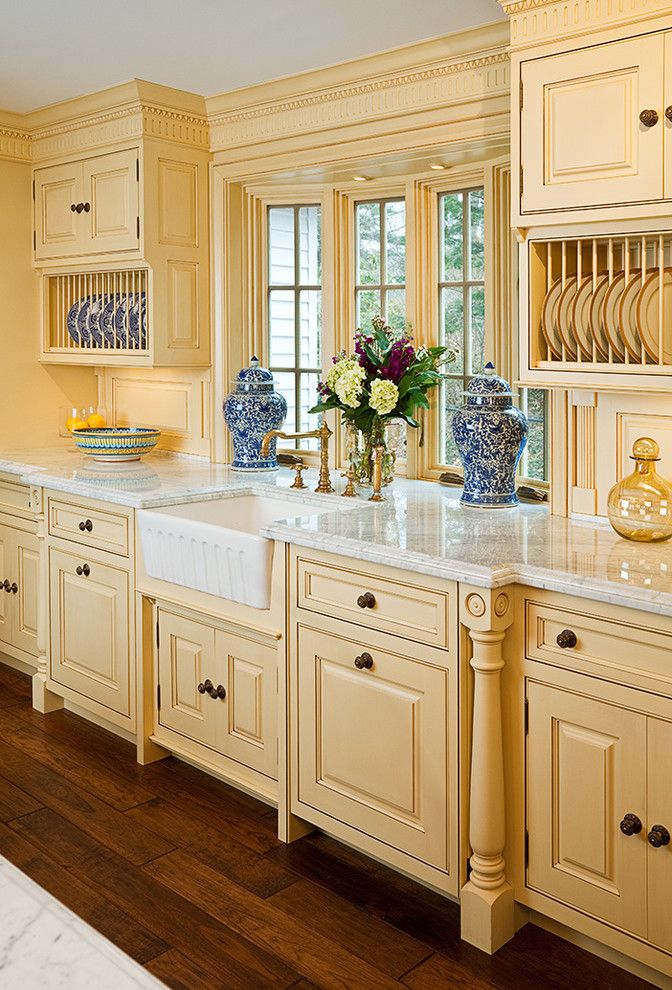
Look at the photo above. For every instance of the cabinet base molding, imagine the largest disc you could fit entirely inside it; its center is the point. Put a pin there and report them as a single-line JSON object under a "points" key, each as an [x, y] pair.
{"points": [[44, 700], [12, 657], [96, 719], [486, 916], [235, 774], [88, 708]]}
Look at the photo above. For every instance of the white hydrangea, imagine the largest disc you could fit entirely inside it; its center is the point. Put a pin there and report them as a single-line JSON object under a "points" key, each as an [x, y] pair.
{"points": [[384, 396], [350, 384], [339, 368]]}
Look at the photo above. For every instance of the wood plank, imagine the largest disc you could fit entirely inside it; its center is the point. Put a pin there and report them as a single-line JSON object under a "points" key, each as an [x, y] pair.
{"points": [[97, 819], [300, 945], [361, 933], [129, 935], [16, 681], [14, 802], [180, 973], [213, 846], [76, 765], [172, 918]]}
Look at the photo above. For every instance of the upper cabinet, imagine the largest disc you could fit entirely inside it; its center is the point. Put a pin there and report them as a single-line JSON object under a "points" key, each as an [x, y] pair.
{"points": [[88, 207], [593, 126]]}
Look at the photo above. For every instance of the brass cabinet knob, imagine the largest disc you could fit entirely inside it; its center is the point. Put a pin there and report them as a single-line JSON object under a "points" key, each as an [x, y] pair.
{"points": [[659, 836], [14, 588], [87, 207], [649, 118], [566, 639], [631, 824], [84, 569], [204, 686], [364, 661], [86, 526], [367, 600], [73, 207], [79, 207], [217, 692], [668, 113], [6, 585]]}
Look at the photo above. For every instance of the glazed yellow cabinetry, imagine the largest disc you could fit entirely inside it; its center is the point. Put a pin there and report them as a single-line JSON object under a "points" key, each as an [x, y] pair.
{"points": [[218, 688], [19, 560], [88, 207]]}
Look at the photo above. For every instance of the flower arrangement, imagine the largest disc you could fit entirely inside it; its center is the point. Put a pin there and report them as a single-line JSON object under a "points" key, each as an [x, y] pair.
{"points": [[386, 378]]}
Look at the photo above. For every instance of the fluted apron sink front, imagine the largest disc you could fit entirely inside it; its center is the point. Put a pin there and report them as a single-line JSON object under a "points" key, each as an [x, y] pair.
{"points": [[215, 546]]}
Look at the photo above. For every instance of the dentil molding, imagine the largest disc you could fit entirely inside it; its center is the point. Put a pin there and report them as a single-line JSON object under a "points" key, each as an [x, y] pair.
{"points": [[14, 144], [538, 21]]}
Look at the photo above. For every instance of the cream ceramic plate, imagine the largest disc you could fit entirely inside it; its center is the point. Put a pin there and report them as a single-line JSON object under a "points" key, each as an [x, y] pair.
{"points": [[565, 304], [596, 326], [627, 316], [581, 317], [612, 300], [648, 316], [549, 320]]}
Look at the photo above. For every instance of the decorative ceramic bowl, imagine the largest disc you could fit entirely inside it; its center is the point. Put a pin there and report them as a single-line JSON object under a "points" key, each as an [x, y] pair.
{"points": [[116, 443]]}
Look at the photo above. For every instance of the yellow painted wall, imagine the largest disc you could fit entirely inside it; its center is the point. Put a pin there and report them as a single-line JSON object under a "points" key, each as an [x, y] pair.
{"points": [[30, 393]]}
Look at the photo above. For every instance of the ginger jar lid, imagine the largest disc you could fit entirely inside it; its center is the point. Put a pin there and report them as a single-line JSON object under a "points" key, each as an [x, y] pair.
{"points": [[488, 389], [254, 378]]}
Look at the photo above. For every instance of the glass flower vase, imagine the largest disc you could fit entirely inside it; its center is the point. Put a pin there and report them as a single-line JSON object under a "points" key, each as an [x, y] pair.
{"points": [[640, 506], [360, 445]]}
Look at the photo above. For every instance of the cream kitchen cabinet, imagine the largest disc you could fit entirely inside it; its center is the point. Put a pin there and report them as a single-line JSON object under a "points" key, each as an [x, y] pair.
{"points": [[19, 564], [218, 688], [88, 207]]}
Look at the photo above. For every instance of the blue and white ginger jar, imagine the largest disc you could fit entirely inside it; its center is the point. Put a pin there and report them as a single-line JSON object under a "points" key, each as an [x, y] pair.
{"points": [[250, 411], [490, 433]]}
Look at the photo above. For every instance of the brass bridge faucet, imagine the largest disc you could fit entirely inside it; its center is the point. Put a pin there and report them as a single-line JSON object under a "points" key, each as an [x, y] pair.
{"points": [[324, 484]]}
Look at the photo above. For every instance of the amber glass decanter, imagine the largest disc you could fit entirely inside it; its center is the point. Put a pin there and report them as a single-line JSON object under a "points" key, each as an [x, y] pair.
{"points": [[640, 506]]}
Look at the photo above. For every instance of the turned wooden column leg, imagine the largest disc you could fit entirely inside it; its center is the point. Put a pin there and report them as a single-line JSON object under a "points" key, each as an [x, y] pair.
{"points": [[487, 899], [44, 700]]}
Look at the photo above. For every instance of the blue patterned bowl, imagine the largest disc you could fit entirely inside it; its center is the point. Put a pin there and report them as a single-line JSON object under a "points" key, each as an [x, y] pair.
{"points": [[116, 443]]}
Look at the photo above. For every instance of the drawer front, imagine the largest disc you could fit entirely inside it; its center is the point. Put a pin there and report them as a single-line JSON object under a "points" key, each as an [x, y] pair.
{"points": [[604, 646], [417, 613], [90, 527], [371, 742], [14, 498]]}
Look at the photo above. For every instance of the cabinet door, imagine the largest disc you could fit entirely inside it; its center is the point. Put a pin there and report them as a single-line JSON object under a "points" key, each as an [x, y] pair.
{"points": [[247, 718], [90, 650], [659, 812], [667, 123], [586, 769], [25, 570], [111, 188], [186, 659], [59, 231], [582, 142], [372, 742], [6, 610]]}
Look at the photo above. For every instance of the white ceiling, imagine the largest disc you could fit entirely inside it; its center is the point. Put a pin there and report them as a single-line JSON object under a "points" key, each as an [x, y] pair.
{"points": [[51, 50]]}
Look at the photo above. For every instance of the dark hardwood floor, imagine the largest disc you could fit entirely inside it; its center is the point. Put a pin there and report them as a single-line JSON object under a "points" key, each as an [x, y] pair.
{"points": [[186, 875]]}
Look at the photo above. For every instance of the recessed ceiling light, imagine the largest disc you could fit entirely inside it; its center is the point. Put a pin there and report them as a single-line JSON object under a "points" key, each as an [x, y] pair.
{"points": [[361, 178], [437, 167]]}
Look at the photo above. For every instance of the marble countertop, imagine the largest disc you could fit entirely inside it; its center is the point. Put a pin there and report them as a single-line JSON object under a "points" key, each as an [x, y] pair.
{"points": [[420, 527], [43, 944]]}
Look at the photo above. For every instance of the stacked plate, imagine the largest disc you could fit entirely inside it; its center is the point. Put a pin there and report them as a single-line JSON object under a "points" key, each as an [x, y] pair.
{"points": [[595, 318], [117, 321]]}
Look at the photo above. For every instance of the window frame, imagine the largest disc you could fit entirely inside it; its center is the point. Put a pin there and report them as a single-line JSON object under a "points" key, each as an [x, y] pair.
{"points": [[383, 287]]}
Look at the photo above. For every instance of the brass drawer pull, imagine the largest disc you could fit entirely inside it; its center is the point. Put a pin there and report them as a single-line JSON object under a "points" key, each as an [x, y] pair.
{"points": [[367, 600], [204, 686], [649, 118], [658, 836], [84, 569], [631, 824], [668, 114], [364, 661], [566, 639], [86, 526]]}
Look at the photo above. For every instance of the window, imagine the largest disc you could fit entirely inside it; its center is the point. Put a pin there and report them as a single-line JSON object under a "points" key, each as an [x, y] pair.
{"points": [[380, 289], [295, 310], [534, 462], [461, 301]]}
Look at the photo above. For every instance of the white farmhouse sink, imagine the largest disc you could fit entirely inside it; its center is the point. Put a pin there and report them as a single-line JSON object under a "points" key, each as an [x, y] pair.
{"points": [[215, 546]]}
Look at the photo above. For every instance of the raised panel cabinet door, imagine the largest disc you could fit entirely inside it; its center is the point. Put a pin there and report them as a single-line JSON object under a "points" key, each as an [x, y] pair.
{"points": [[26, 561], [6, 609], [111, 188], [586, 770], [187, 660], [582, 141], [59, 230], [372, 747], [659, 778], [667, 122], [247, 717], [90, 635]]}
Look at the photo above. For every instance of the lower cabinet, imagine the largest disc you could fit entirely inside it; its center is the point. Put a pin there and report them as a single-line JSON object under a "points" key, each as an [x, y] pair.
{"points": [[19, 567], [219, 689], [90, 630], [599, 809], [371, 748]]}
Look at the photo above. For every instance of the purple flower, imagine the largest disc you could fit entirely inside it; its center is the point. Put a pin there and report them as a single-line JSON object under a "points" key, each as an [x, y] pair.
{"points": [[323, 388], [399, 360], [360, 340]]}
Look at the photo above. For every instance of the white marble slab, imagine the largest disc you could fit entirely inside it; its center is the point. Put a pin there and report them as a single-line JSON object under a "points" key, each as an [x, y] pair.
{"points": [[43, 945], [421, 527]]}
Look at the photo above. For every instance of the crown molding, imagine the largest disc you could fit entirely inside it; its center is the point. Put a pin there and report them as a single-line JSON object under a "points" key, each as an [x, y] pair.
{"points": [[539, 21], [14, 138]]}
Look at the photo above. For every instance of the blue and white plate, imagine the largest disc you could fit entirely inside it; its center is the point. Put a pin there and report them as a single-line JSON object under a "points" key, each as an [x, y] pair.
{"points": [[71, 323], [93, 323], [106, 322], [127, 322]]}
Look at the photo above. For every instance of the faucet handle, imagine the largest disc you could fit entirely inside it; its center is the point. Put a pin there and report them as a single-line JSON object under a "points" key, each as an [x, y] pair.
{"points": [[349, 491], [298, 482]]}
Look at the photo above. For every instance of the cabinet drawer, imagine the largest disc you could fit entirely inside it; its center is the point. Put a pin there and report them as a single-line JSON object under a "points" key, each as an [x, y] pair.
{"points": [[605, 646], [90, 527], [371, 742], [14, 498], [415, 612]]}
